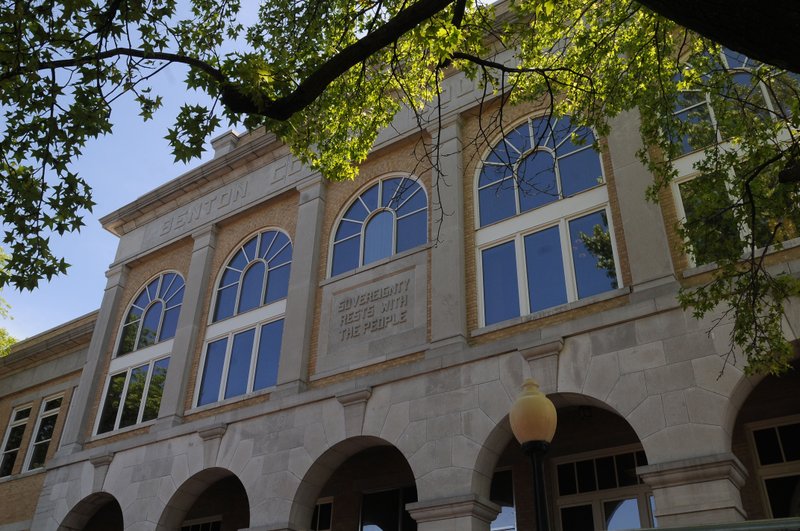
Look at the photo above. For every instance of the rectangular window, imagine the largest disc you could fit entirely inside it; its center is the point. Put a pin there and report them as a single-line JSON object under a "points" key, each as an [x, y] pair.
{"points": [[323, 516], [502, 493], [777, 449], [133, 396], [43, 433], [243, 362], [13, 439]]}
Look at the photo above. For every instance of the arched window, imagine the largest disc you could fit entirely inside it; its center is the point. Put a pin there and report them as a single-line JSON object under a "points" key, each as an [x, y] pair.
{"points": [[243, 343], [544, 236], [137, 374], [153, 315], [258, 274], [390, 217]]}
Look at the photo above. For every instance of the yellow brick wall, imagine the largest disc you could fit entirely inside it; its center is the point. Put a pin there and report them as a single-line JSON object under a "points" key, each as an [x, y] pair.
{"points": [[407, 156], [278, 213]]}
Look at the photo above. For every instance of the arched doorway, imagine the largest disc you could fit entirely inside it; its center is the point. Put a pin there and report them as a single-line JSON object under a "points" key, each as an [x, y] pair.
{"points": [[766, 439], [97, 512], [590, 474], [211, 500], [362, 484]]}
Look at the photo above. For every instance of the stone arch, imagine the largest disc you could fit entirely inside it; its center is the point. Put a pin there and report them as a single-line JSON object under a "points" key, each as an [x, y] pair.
{"points": [[226, 495], [99, 511], [325, 466]]}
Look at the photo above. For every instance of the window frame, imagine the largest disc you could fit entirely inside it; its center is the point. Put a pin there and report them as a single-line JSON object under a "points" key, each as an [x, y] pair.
{"points": [[370, 215], [328, 500], [42, 415], [557, 213], [772, 471], [11, 425], [641, 491]]}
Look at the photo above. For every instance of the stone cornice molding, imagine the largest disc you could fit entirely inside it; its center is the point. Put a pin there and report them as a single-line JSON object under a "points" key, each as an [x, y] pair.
{"points": [[687, 471], [456, 507]]}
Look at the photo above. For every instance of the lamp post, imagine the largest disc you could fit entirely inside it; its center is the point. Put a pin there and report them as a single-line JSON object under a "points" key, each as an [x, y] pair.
{"points": [[533, 420]]}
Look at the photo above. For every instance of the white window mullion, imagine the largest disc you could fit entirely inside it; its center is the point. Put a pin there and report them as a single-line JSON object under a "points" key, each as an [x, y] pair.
{"points": [[251, 375], [566, 257], [225, 366], [614, 252], [522, 276], [143, 399], [122, 397]]}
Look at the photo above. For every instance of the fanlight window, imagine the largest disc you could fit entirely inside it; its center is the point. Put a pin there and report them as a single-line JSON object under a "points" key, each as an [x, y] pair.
{"points": [[539, 162], [388, 218], [258, 274], [153, 315]]}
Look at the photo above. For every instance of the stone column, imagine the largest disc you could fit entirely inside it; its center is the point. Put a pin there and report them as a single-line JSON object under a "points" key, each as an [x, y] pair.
{"points": [[460, 513], [79, 419], [645, 236], [296, 345], [448, 296], [190, 325], [697, 491]]}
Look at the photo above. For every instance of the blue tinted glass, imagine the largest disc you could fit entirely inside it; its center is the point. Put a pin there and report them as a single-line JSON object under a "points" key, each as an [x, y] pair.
{"points": [[356, 212], [543, 132], [175, 294], [279, 246], [166, 283], [176, 299], [493, 172], [735, 59], [277, 284], [269, 354], [412, 231], [592, 254], [537, 181], [142, 300], [239, 367], [546, 285], [226, 299], [283, 256], [378, 237], [502, 154], [370, 198], [134, 314], [250, 248], [520, 138], [413, 202], [155, 389], [212, 372], [229, 277], [126, 342], [170, 323], [152, 290], [239, 261], [147, 335], [500, 289], [133, 396], [497, 202], [252, 287], [580, 171], [389, 189], [267, 241], [347, 228], [345, 255]]}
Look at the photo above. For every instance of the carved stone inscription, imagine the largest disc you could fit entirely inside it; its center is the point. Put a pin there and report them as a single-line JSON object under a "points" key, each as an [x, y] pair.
{"points": [[373, 310], [204, 209]]}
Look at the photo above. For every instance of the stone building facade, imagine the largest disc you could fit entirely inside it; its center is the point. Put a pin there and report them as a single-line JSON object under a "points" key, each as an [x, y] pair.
{"points": [[277, 352]]}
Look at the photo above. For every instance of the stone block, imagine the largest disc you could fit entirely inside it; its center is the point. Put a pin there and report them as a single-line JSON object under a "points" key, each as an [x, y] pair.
{"points": [[706, 407], [669, 378], [641, 357], [602, 376], [413, 437], [694, 440], [661, 326], [675, 411], [613, 339], [444, 426], [397, 418], [494, 401], [648, 417], [628, 392], [573, 364], [688, 347], [713, 374]]}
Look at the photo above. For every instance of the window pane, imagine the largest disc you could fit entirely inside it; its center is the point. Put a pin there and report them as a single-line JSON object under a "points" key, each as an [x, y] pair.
{"points": [[412, 231], [239, 368], [356, 212], [324, 516], [249, 249], [388, 190], [519, 139], [15, 437], [22, 414], [53, 404], [711, 239], [370, 198], [269, 354], [283, 254], [622, 514], [412, 201], [111, 403], [497, 202], [226, 299], [790, 440], [493, 172], [546, 285], [537, 181], [152, 290], [500, 288], [577, 518], [586, 478], [345, 256], [380, 511], [501, 491], [239, 261], [212, 372], [133, 398], [155, 389], [170, 323], [626, 470], [767, 446], [783, 494], [567, 484], [268, 244], [579, 171], [592, 255], [378, 237], [46, 427], [277, 284], [250, 295], [38, 455], [126, 342], [606, 477], [147, 335], [7, 465], [347, 228]]}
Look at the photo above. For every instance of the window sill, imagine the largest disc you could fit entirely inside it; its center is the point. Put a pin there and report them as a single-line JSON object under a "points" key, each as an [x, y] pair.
{"points": [[555, 310], [232, 400], [22, 475], [376, 264], [113, 433], [705, 268]]}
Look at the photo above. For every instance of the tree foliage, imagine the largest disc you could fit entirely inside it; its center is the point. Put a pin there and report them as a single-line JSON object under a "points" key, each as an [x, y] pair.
{"points": [[327, 76]]}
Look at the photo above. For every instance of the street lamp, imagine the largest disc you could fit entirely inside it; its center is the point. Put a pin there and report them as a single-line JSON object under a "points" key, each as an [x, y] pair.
{"points": [[533, 420]]}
